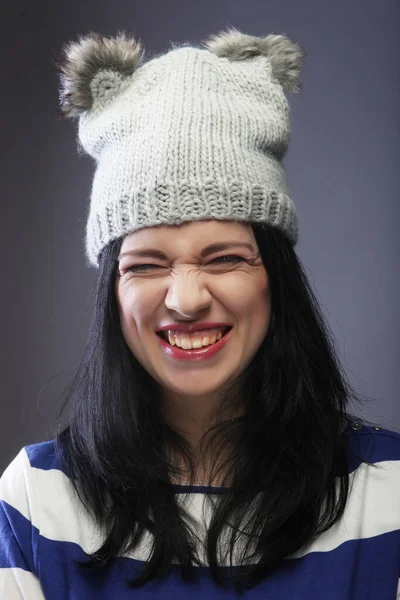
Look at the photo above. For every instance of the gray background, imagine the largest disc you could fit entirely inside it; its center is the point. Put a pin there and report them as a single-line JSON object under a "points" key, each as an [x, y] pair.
{"points": [[342, 169]]}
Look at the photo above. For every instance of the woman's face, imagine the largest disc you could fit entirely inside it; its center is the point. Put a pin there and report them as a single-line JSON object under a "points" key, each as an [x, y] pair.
{"points": [[183, 287]]}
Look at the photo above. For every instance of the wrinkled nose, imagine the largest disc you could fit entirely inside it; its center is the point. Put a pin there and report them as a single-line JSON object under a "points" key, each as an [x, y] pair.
{"points": [[187, 295]]}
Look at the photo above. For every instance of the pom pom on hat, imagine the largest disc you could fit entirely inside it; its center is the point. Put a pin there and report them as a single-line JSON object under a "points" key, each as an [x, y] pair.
{"points": [[286, 57], [91, 56]]}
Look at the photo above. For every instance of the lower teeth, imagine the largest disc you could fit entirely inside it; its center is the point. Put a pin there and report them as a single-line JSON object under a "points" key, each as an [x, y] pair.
{"points": [[201, 347]]}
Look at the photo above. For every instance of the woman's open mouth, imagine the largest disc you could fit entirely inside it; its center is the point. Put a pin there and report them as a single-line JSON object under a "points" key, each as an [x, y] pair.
{"points": [[195, 340], [194, 346]]}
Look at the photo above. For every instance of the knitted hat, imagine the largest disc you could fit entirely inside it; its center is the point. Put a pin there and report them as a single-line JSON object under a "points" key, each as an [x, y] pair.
{"points": [[195, 133]]}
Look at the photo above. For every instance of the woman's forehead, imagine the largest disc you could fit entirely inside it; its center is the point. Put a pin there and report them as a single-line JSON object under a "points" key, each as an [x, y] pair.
{"points": [[196, 232]]}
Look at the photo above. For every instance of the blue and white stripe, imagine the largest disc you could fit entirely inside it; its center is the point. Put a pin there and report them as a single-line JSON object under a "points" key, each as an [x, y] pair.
{"points": [[43, 526]]}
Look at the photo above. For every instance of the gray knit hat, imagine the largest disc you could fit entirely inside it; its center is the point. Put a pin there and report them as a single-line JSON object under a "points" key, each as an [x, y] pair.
{"points": [[195, 133]]}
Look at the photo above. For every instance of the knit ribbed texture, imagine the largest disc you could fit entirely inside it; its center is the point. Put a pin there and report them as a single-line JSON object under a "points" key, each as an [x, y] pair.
{"points": [[188, 136]]}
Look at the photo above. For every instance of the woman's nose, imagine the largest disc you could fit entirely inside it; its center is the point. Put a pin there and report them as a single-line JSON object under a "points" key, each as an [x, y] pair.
{"points": [[187, 294]]}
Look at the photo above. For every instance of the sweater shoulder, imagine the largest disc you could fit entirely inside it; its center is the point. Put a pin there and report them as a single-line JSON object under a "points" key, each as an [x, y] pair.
{"points": [[45, 455], [372, 444]]}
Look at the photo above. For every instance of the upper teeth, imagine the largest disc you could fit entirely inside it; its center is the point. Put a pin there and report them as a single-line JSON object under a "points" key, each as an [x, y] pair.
{"points": [[197, 339]]}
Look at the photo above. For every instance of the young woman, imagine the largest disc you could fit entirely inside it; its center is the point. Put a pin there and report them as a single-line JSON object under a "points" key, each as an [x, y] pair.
{"points": [[209, 451]]}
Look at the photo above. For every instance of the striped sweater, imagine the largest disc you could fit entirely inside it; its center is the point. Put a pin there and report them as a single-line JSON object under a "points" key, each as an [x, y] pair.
{"points": [[43, 526]]}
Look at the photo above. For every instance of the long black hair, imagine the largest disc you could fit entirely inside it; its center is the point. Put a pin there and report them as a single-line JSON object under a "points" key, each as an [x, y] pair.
{"points": [[288, 456]]}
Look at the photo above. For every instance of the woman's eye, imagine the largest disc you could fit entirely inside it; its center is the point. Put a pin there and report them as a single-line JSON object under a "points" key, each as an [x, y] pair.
{"points": [[142, 267], [230, 259]]}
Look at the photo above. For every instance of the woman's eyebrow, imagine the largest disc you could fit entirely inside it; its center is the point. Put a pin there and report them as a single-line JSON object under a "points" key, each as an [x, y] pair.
{"points": [[215, 247]]}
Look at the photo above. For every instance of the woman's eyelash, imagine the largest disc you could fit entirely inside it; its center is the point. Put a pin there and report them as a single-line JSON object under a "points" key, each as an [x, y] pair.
{"points": [[220, 258], [236, 258]]}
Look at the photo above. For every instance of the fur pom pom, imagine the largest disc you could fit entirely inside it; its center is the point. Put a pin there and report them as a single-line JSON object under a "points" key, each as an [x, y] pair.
{"points": [[286, 57], [81, 61]]}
